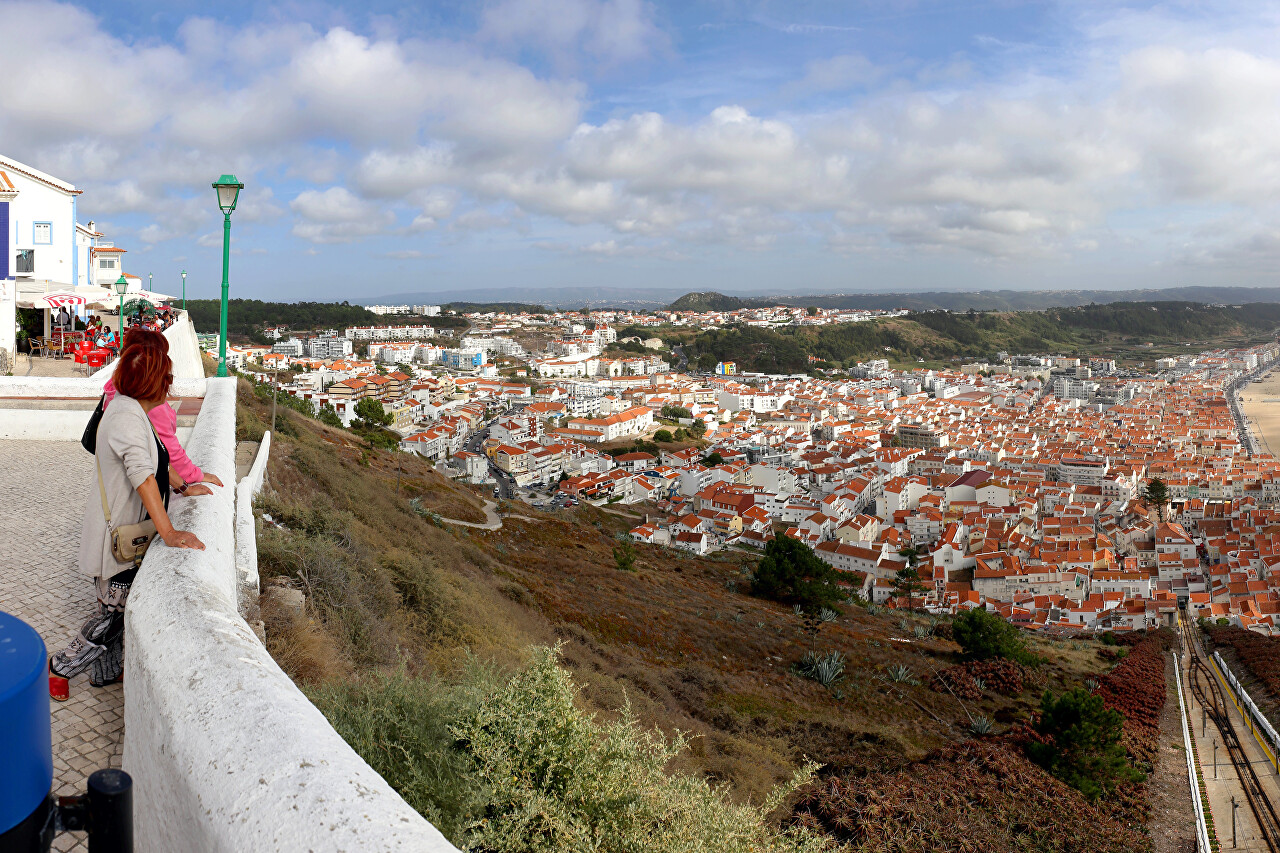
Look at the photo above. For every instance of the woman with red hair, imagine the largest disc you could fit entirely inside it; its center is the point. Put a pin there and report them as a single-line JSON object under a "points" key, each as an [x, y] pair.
{"points": [[131, 483], [165, 422]]}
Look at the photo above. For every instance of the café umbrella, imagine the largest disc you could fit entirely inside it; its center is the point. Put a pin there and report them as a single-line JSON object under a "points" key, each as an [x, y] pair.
{"points": [[60, 299], [150, 295]]}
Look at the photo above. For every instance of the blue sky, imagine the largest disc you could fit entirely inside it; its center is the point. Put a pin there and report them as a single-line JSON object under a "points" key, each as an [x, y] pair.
{"points": [[744, 146]]}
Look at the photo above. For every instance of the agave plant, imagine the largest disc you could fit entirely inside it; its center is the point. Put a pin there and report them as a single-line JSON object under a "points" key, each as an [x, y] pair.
{"points": [[981, 725], [980, 684], [902, 674], [797, 610], [904, 625], [827, 615], [825, 669], [731, 585], [1091, 684], [874, 609], [923, 632]]}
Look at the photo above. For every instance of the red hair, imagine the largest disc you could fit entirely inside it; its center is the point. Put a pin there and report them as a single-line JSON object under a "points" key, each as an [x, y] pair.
{"points": [[144, 371]]}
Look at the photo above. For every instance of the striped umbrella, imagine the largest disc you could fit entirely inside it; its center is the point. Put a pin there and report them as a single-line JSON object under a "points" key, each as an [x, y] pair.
{"points": [[149, 295], [60, 299]]}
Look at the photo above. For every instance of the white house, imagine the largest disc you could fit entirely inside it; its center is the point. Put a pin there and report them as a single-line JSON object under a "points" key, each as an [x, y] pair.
{"points": [[42, 248]]}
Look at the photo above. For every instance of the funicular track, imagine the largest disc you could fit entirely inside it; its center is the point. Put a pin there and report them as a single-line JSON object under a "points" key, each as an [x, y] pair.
{"points": [[1208, 692]]}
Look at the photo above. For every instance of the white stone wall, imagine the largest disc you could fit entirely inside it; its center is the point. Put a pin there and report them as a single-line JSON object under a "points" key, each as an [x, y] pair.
{"points": [[225, 752], [246, 530]]}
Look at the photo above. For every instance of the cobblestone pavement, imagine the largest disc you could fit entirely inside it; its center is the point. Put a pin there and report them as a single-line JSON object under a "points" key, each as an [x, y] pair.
{"points": [[43, 485]]}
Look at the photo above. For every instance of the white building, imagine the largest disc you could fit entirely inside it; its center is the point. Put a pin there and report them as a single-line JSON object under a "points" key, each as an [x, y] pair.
{"points": [[328, 346], [42, 247], [426, 310]]}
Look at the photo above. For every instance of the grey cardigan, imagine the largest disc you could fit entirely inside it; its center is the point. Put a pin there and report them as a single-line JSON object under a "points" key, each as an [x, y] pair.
{"points": [[128, 455]]}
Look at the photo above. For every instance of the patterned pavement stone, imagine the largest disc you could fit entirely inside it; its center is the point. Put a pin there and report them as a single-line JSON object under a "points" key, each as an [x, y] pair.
{"points": [[43, 490]]}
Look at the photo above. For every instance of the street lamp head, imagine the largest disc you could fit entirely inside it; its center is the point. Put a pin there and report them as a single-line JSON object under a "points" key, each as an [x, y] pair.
{"points": [[228, 188], [121, 286]]}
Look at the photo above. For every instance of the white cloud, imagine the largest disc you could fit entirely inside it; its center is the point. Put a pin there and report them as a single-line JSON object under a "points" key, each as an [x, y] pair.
{"points": [[837, 73], [1146, 112], [336, 215], [609, 30]]}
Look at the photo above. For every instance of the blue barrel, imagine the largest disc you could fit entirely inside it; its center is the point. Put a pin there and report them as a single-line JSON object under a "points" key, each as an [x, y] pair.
{"points": [[26, 746]]}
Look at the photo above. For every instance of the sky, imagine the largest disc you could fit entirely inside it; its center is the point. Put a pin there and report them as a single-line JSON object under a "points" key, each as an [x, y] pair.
{"points": [[753, 146]]}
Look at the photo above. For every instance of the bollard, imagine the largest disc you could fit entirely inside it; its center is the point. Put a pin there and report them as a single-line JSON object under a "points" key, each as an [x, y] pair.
{"points": [[110, 812], [25, 739], [29, 816]]}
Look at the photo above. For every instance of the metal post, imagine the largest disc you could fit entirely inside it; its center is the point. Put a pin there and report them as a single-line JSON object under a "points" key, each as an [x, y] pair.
{"points": [[1204, 721], [184, 290], [120, 342], [226, 265], [1234, 806], [110, 812], [1215, 759]]}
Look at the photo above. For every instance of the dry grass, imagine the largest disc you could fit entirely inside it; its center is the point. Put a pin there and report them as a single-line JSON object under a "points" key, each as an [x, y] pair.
{"points": [[302, 648]]}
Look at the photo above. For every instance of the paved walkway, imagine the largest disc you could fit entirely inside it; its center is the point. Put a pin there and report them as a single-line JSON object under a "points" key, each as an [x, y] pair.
{"points": [[42, 491], [492, 521]]}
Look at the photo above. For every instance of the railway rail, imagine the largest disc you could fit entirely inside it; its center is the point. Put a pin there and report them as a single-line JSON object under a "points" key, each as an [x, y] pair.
{"points": [[1208, 692]]}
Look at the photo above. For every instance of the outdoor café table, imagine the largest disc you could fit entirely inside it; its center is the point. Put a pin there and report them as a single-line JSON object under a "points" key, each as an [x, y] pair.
{"points": [[61, 337]]}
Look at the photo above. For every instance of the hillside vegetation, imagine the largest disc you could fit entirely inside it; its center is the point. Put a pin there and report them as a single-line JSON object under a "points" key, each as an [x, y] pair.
{"points": [[516, 685], [980, 300], [939, 335], [247, 317]]}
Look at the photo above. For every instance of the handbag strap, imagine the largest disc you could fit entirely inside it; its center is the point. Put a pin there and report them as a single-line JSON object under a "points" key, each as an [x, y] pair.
{"points": [[102, 492]]}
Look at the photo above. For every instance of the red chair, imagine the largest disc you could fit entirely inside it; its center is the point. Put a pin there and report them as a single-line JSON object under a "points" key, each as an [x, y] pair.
{"points": [[97, 358]]}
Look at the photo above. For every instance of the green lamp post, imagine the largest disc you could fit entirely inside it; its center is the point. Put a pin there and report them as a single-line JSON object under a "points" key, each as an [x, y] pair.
{"points": [[228, 188], [121, 285], [184, 290]]}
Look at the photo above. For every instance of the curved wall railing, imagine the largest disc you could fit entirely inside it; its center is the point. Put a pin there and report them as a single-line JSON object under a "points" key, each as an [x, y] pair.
{"points": [[246, 528], [225, 752]]}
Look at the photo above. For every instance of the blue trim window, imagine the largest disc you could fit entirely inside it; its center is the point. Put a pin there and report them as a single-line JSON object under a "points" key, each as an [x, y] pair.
{"points": [[42, 233]]}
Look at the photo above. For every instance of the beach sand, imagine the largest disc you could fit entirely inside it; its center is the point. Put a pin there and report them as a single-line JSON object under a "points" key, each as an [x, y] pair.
{"points": [[1263, 416]]}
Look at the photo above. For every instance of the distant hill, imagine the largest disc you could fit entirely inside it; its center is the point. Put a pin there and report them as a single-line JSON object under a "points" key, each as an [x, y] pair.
{"points": [[1114, 328], [712, 301], [981, 300], [495, 307]]}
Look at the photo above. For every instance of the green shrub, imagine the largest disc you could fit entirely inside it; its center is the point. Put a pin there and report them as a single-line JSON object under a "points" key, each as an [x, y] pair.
{"points": [[791, 573], [401, 726], [984, 635], [1082, 745], [517, 766], [561, 781]]}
